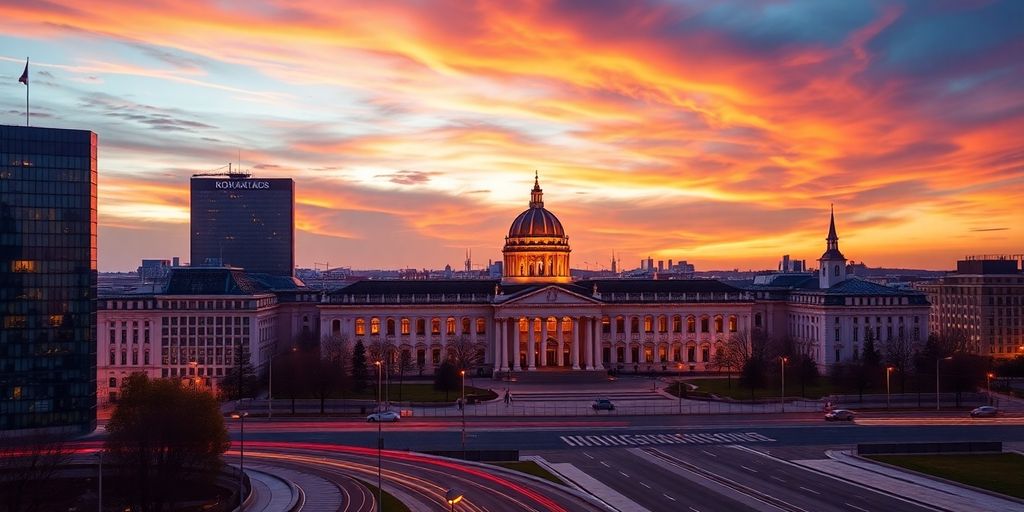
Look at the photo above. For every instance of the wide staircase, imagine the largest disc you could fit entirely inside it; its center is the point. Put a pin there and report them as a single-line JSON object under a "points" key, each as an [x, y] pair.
{"points": [[554, 376]]}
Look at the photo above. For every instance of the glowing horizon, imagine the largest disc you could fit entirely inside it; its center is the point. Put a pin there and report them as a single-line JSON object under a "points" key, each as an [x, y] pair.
{"points": [[717, 134]]}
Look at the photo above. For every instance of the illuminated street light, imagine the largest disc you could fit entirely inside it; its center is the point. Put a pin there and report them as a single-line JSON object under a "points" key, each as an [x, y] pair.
{"points": [[380, 442], [888, 372], [782, 363], [452, 497], [988, 385], [240, 415], [463, 374]]}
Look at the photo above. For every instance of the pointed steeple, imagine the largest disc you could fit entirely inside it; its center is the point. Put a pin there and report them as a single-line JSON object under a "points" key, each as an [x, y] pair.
{"points": [[832, 237], [536, 195]]}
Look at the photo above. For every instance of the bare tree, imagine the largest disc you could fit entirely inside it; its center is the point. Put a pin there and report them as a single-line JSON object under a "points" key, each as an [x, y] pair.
{"points": [[899, 353], [464, 353], [405, 364], [28, 466]]}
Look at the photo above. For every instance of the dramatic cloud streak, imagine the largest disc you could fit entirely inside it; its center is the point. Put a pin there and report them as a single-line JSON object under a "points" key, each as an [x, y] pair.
{"points": [[717, 133]]}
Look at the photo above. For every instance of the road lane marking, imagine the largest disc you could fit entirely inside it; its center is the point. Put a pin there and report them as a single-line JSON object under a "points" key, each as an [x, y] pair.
{"points": [[773, 477], [694, 510], [809, 490], [623, 474], [659, 439], [645, 485], [710, 454], [589, 456], [605, 464], [856, 507], [669, 497], [752, 470]]}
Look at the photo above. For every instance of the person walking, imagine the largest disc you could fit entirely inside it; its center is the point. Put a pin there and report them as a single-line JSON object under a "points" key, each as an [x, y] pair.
{"points": [[508, 398]]}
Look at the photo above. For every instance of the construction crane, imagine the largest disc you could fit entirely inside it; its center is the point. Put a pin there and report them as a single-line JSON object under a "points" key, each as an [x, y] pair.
{"points": [[229, 174]]}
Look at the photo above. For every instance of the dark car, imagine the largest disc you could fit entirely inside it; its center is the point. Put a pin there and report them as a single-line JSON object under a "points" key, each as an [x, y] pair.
{"points": [[839, 415], [985, 411], [603, 403]]}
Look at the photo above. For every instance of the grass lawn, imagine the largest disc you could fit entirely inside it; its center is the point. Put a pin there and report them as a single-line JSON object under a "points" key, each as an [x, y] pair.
{"points": [[391, 503], [999, 472], [531, 468], [419, 392], [721, 387]]}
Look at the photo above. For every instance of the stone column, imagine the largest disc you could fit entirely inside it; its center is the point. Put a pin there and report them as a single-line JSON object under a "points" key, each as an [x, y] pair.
{"points": [[531, 348], [559, 360], [627, 323], [544, 341], [495, 334], [598, 353], [444, 338], [588, 336], [515, 343], [613, 353], [574, 350]]}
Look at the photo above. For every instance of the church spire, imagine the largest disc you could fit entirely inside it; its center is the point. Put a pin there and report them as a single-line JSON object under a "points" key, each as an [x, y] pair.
{"points": [[536, 195], [832, 237]]}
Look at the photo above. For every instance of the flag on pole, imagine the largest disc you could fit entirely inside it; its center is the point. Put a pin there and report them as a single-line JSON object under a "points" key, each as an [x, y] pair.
{"points": [[24, 74]]}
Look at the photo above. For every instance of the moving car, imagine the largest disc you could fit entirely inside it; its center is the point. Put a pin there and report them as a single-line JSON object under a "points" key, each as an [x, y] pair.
{"points": [[839, 415], [985, 411], [603, 403], [384, 416]]}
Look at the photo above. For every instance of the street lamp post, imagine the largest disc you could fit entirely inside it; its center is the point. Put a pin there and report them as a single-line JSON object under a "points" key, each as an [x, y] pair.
{"points": [[782, 365], [988, 386], [380, 442], [888, 371], [937, 361], [452, 497], [240, 415], [463, 374]]}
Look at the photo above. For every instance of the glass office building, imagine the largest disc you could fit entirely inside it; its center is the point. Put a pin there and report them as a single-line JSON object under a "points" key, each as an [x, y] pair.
{"points": [[244, 222], [47, 280]]}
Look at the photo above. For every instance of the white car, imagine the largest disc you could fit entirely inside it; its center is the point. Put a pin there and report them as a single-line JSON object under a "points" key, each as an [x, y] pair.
{"points": [[384, 416]]}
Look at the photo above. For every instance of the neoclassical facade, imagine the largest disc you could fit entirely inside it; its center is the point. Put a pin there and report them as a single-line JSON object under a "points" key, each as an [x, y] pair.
{"points": [[536, 317]]}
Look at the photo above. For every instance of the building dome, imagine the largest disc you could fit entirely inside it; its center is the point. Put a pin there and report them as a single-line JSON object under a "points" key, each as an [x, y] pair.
{"points": [[536, 222], [536, 248]]}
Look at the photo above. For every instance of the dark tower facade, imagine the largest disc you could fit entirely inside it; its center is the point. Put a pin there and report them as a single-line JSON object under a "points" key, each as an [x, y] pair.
{"points": [[244, 222], [47, 280]]}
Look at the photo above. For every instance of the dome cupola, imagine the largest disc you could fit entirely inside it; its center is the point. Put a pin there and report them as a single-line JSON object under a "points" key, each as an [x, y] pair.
{"points": [[536, 248]]}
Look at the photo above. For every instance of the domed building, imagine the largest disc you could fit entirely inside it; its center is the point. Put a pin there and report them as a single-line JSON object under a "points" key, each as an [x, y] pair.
{"points": [[536, 248]]}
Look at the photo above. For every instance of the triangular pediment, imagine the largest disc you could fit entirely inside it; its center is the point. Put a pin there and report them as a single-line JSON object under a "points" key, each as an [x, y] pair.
{"points": [[550, 296]]}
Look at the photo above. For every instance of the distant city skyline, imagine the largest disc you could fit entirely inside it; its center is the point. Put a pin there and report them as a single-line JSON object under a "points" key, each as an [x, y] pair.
{"points": [[719, 135]]}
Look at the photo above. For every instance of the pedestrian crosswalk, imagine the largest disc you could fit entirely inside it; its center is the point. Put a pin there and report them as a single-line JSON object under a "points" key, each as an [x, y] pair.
{"points": [[658, 439]]}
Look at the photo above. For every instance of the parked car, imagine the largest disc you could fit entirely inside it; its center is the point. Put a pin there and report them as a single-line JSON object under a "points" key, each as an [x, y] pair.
{"points": [[603, 403], [839, 415], [985, 411], [384, 416]]}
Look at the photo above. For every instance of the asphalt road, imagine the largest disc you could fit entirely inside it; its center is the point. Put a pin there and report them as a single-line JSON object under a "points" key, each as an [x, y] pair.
{"points": [[420, 481]]}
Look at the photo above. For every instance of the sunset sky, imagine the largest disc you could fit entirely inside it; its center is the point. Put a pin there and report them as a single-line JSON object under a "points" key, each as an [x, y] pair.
{"points": [[717, 133]]}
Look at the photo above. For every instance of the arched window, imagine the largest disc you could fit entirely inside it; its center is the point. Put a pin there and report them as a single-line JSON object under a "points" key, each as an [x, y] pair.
{"points": [[704, 322], [677, 324], [405, 327], [435, 326], [336, 327], [648, 324], [391, 327], [606, 325], [634, 324], [620, 324], [718, 324], [113, 382], [375, 325], [757, 320], [836, 271], [481, 326], [421, 326], [450, 326], [465, 325], [691, 324], [662, 324], [732, 323]]}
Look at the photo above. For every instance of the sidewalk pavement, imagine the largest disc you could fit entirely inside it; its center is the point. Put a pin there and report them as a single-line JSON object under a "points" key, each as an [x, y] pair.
{"points": [[908, 486], [270, 493], [318, 493]]}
